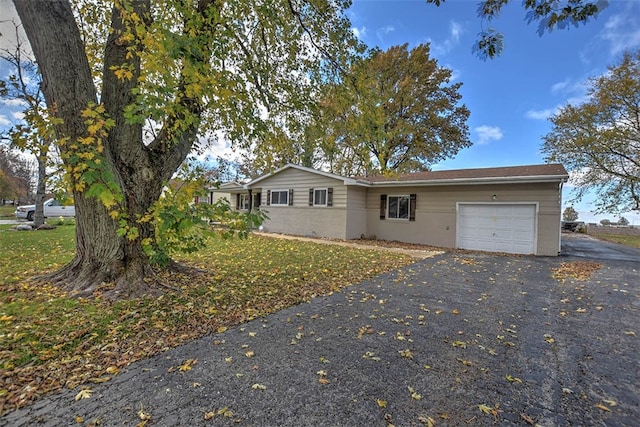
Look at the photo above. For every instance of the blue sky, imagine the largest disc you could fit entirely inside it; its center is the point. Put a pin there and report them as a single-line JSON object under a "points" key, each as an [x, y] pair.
{"points": [[512, 96]]}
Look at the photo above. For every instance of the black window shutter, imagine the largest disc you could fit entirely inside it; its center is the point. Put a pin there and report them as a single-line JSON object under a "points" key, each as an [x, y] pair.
{"points": [[412, 207], [311, 197], [237, 202], [330, 196], [268, 197], [291, 197], [383, 206]]}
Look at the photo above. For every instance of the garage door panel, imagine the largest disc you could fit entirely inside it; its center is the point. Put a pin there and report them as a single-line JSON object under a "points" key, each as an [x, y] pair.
{"points": [[497, 227]]}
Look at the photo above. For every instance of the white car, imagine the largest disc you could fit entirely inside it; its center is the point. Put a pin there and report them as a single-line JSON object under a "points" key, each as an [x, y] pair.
{"points": [[52, 209]]}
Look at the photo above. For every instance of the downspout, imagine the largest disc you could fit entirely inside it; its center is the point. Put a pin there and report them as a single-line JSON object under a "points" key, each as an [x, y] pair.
{"points": [[560, 222]]}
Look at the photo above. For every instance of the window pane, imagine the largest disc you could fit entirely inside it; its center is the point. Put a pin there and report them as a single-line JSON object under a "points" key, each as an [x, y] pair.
{"points": [[279, 197], [393, 207], [399, 207], [320, 197], [403, 209]]}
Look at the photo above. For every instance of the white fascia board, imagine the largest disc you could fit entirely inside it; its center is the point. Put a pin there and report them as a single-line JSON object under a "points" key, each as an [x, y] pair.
{"points": [[345, 180], [474, 181]]}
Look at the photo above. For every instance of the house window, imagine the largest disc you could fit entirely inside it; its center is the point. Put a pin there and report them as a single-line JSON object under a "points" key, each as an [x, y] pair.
{"points": [[244, 202], [320, 197], [279, 197], [398, 207]]}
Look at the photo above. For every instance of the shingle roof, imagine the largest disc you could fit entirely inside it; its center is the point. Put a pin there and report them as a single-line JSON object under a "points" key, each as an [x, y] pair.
{"points": [[522, 172]]}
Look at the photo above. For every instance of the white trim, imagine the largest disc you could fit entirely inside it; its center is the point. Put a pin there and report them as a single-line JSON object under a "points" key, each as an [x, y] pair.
{"points": [[326, 196], [408, 196], [535, 219], [242, 206], [345, 180], [473, 181], [278, 191]]}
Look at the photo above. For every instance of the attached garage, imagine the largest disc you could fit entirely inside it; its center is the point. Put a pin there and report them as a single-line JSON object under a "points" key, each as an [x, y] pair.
{"points": [[497, 227]]}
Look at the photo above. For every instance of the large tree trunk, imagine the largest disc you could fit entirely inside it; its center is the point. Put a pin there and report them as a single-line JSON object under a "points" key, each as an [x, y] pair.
{"points": [[138, 170], [41, 189]]}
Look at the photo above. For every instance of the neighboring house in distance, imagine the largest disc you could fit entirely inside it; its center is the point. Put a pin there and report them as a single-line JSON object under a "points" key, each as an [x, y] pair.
{"points": [[222, 192], [507, 209]]}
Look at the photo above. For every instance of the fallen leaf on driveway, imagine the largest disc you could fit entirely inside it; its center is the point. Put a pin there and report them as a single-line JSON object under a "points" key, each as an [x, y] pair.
{"points": [[84, 394], [579, 270]]}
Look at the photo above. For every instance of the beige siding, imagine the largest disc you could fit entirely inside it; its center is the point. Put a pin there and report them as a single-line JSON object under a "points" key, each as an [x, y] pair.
{"points": [[356, 212], [436, 213], [435, 222], [302, 219]]}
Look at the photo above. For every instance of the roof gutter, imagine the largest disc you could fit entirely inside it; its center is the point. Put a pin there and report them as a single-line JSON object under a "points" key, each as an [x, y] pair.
{"points": [[474, 181]]}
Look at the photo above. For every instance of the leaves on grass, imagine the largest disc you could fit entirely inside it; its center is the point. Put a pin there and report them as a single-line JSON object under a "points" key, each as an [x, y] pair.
{"points": [[49, 340]]}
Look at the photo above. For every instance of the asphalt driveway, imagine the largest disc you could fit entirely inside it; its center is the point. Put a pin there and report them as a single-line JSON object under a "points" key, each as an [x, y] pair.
{"points": [[457, 339], [585, 246]]}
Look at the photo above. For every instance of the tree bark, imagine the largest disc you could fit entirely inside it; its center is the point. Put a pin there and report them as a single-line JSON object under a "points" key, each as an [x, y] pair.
{"points": [[103, 259], [41, 189]]}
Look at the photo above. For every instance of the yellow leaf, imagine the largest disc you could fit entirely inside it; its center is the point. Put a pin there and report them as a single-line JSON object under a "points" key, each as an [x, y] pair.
{"points": [[381, 403], [610, 402], [112, 370], [602, 407], [485, 409], [250, 353], [428, 421], [259, 387], [188, 365], [144, 415], [406, 354], [513, 379], [84, 394]]}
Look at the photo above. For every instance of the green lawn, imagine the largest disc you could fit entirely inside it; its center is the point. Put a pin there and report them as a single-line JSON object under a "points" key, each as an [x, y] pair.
{"points": [[7, 211], [49, 340], [633, 241]]}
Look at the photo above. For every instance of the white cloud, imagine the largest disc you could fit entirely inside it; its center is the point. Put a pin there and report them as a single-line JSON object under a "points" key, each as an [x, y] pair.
{"points": [[456, 30], [383, 31], [622, 31], [486, 134], [4, 121], [360, 33], [541, 114], [561, 87], [13, 102]]}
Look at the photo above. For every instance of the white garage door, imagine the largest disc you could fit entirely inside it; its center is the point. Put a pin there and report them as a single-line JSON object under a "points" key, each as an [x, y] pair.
{"points": [[497, 227]]}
